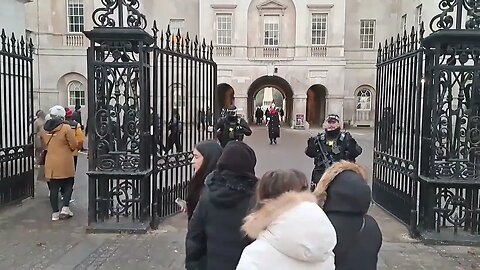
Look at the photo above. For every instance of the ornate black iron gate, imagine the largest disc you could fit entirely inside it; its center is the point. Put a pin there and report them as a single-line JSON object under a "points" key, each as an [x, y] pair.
{"points": [[182, 99], [16, 125], [442, 157], [395, 171], [149, 102]]}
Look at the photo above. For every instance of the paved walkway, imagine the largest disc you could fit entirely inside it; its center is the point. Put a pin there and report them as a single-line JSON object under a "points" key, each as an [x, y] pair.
{"points": [[29, 240]]}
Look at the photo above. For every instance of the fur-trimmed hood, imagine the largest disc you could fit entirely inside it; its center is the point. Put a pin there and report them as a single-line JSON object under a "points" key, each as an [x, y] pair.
{"points": [[344, 188], [294, 225]]}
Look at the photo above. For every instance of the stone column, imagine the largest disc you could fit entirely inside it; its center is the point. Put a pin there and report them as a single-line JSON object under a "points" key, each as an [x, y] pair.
{"points": [[241, 103]]}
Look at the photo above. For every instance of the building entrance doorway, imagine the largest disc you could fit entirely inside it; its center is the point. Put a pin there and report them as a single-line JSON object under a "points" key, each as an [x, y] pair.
{"points": [[316, 105]]}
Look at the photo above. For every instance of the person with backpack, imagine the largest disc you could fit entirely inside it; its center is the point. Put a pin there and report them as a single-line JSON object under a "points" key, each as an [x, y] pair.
{"points": [[231, 127]]}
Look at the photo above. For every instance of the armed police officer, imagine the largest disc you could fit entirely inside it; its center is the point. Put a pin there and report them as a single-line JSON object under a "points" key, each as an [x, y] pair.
{"points": [[231, 127], [331, 146]]}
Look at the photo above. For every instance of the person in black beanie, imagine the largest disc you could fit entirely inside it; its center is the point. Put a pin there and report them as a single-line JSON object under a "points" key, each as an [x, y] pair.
{"points": [[215, 241], [345, 196]]}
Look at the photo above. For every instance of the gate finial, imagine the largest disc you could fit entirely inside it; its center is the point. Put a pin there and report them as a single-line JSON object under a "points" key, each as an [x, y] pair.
{"points": [[127, 13], [187, 44], [445, 19]]}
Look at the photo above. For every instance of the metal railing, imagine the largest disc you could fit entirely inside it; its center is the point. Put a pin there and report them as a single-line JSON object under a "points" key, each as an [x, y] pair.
{"points": [[16, 130], [273, 52]]}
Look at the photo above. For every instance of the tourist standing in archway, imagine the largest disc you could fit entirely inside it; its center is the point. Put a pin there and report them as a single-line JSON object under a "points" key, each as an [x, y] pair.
{"points": [[259, 115], [273, 123]]}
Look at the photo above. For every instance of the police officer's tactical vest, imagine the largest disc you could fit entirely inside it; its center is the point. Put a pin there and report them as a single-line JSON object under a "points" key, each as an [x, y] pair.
{"points": [[231, 129]]}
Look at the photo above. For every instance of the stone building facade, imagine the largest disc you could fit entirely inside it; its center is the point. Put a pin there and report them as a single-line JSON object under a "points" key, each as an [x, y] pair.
{"points": [[12, 17], [320, 54]]}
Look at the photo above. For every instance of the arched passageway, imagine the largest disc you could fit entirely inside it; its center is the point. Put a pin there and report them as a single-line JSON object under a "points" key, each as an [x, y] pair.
{"points": [[268, 95], [316, 105], [274, 82]]}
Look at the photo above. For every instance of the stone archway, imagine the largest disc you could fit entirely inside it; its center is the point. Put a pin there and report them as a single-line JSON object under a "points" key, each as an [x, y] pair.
{"points": [[316, 104], [275, 82]]}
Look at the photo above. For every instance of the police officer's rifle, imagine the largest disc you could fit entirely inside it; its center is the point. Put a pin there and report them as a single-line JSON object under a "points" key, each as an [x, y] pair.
{"points": [[327, 159]]}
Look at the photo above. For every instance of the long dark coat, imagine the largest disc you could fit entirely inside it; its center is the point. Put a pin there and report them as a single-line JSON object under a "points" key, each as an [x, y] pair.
{"points": [[273, 125]]}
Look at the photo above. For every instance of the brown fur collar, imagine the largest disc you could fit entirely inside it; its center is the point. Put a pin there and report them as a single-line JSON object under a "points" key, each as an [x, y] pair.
{"points": [[258, 221], [330, 174]]}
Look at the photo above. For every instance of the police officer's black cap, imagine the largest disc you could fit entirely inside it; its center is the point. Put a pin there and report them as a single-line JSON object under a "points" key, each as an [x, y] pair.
{"points": [[232, 108], [333, 117]]}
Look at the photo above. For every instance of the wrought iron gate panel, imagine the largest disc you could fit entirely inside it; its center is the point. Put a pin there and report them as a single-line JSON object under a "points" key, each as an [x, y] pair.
{"points": [[16, 119], [184, 81], [145, 94], [450, 171], [439, 154], [399, 71]]}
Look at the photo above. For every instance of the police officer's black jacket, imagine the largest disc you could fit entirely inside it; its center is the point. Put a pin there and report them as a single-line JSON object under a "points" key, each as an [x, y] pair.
{"points": [[239, 125], [345, 147]]}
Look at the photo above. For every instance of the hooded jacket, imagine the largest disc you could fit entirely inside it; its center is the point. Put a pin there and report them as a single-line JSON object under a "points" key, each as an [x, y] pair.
{"points": [[214, 239], [283, 242], [345, 196], [60, 142]]}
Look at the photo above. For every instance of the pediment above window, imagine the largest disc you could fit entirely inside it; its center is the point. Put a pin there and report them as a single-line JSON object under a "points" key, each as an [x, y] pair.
{"points": [[271, 5]]}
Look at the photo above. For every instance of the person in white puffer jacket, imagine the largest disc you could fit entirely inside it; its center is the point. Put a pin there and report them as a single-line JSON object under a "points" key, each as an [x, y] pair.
{"points": [[292, 232]]}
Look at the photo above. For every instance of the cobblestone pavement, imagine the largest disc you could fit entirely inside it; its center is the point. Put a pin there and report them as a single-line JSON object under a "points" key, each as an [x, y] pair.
{"points": [[29, 240]]}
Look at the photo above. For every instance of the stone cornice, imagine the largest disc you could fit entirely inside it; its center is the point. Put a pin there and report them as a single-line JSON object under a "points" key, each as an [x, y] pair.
{"points": [[320, 6], [223, 6]]}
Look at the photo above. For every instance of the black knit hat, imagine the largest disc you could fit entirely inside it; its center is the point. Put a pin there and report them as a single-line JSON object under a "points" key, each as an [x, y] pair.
{"points": [[239, 158]]}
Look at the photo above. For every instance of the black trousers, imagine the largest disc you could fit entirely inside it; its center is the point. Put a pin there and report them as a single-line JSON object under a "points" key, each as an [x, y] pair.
{"points": [[173, 139], [63, 185], [317, 173]]}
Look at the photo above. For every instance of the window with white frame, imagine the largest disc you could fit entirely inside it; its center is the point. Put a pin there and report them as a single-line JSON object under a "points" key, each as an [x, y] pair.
{"points": [[418, 15], [75, 16], [175, 25], [404, 23], [271, 30], [319, 28], [224, 29], [76, 93], [364, 100], [367, 34]]}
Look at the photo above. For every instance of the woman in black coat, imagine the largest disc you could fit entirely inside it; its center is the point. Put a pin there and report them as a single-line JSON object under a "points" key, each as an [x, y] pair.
{"points": [[205, 157], [345, 197], [214, 239]]}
